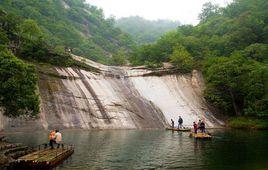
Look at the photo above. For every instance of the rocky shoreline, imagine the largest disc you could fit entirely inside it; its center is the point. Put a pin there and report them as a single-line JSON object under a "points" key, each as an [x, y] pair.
{"points": [[9, 152]]}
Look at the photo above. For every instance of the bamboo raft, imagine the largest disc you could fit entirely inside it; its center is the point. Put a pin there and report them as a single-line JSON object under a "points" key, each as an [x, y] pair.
{"points": [[177, 129], [200, 135], [44, 158]]}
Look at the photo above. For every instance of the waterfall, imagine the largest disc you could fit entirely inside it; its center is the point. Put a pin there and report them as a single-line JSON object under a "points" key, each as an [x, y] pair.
{"points": [[116, 98]]}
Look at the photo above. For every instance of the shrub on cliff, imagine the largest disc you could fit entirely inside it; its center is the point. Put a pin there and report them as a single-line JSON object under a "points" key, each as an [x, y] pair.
{"points": [[17, 86], [182, 59]]}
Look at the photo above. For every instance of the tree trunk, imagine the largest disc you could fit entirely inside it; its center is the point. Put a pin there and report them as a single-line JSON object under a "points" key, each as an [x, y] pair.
{"points": [[237, 113]]}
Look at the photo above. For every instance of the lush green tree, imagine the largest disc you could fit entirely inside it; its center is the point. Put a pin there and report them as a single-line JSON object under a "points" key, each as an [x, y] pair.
{"points": [[3, 39], [209, 10], [258, 52], [17, 86], [29, 30], [194, 46], [182, 59], [119, 58], [236, 85], [223, 89]]}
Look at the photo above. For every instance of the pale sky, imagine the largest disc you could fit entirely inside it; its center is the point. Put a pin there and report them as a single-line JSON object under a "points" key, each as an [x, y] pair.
{"points": [[186, 11]]}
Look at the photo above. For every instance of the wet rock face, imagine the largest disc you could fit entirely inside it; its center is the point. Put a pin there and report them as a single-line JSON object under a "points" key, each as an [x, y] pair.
{"points": [[115, 98], [86, 100]]}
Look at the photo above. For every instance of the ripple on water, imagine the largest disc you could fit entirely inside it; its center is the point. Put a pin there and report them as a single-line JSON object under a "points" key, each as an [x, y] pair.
{"points": [[132, 149]]}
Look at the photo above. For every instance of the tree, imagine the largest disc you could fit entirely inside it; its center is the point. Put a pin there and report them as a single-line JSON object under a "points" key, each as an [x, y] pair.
{"points": [[224, 76], [182, 59], [3, 39], [29, 30], [118, 59], [17, 86], [209, 10], [258, 52], [235, 84]]}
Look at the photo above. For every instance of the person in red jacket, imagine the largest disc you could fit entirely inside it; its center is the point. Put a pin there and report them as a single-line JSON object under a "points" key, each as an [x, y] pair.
{"points": [[195, 127], [51, 139]]}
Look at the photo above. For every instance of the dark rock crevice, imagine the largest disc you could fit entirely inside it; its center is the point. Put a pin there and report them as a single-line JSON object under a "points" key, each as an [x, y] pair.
{"points": [[94, 95]]}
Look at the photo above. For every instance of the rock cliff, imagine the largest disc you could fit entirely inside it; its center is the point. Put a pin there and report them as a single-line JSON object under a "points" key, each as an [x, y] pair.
{"points": [[115, 98]]}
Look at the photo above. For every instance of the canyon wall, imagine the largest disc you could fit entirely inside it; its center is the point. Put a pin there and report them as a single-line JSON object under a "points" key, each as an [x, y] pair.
{"points": [[115, 98]]}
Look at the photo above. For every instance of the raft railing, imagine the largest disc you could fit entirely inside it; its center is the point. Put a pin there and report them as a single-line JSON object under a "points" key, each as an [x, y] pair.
{"points": [[55, 157], [46, 146]]}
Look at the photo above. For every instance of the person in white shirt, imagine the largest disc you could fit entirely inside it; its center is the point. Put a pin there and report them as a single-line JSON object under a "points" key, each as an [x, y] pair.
{"points": [[58, 138]]}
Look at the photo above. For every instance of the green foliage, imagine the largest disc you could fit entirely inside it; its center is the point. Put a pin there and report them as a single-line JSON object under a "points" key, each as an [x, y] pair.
{"points": [[182, 59], [238, 83], [17, 86], [41, 52], [70, 23], [157, 52], [248, 123], [151, 64], [119, 58], [27, 41], [29, 30], [209, 10], [3, 38], [258, 52], [145, 31]]}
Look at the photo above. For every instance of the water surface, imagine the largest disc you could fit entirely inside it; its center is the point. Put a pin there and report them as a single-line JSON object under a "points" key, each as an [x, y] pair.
{"points": [[133, 149]]}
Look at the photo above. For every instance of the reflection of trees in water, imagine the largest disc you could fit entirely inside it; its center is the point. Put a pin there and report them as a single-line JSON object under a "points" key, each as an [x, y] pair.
{"points": [[132, 149], [201, 145], [237, 149]]}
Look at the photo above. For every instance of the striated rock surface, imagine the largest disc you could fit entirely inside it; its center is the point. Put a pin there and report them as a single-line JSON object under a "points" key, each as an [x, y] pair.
{"points": [[115, 98]]}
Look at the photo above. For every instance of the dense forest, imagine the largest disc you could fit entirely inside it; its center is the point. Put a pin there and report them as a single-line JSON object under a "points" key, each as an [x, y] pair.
{"points": [[230, 46], [73, 24], [145, 31]]}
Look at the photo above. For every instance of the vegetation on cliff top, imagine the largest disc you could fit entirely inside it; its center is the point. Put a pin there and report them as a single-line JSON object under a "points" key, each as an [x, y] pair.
{"points": [[230, 46], [17, 86], [73, 24]]}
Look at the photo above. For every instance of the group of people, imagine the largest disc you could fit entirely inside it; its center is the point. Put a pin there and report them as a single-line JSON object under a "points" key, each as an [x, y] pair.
{"points": [[55, 137], [200, 125], [180, 122], [197, 126]]}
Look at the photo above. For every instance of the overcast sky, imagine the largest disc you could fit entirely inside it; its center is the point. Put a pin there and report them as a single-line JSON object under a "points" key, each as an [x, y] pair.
{"points": [[186, 11]]}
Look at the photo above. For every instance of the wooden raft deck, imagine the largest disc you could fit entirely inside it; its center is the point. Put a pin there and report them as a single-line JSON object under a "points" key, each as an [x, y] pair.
{"points": [[45, 158], [177, 129], [200, 135]]}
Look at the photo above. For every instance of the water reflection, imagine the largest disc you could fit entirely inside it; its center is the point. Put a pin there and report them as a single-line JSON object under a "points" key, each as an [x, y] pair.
{"points": [[132, 149]]}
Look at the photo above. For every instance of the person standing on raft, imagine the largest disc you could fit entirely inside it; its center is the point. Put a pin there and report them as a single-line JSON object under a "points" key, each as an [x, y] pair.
{"points": [[199, 124], [58, 138], [195, 128], [172, 123], [51, 138], [180, 121], [202, 127]]}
